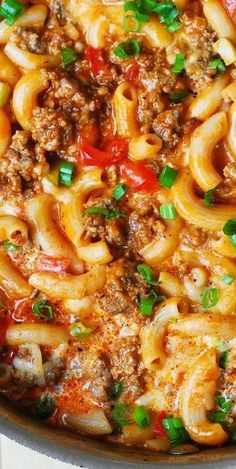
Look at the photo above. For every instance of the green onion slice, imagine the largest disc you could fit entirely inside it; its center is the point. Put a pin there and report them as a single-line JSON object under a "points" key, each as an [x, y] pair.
{"points": [[104, 212], [131, 24], [208, 197], [146, 304], [172, 28], [167, 177], [141, 417], [142, 17], [130, 6], [175, 430], [167, 211], [217, 64], [79, 331], [224, 403], [116, 390], [11, 10], [218, 417], [178, 96], [210, 297], [44, 406], [233, 239], [178, 66], [43, 310], [119, 191], [228, 279], [68, 56], [147, 274], [229, 227], [127, 49], [66, 173], [223, 361], [164, 7], [120, 414], [11, 247]]}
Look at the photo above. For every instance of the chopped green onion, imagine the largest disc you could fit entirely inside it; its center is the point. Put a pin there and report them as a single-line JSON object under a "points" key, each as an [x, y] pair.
{"points": [[146, 6], [178, 66], [141, 17], [4, 93], [218, 417], [68, 56], [119, 191], [218, 344], [178, 96], [167, 177], [217, 64], [147, 274], [224, 403], [172, 28], [167, 211], [233, 239], [175, 430], [130, 6], [11, 10], [229, 227], [210, 297], [43, 310], [44, 406], [104, 212], [116, 390], [208, 197], [223, 361], [168, 18], [228, 279], [79, 331], [9, 246], [120, 414], [131, 24], [66, 173], [164, 8], [141, 417], [146, 304], [127, 49]]}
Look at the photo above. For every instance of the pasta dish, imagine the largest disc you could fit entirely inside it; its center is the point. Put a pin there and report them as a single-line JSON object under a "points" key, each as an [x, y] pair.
{"points": [[118, 218]]}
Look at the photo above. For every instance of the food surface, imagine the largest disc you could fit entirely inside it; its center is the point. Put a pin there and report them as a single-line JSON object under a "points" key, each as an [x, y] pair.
{"points": [[118, 218]]}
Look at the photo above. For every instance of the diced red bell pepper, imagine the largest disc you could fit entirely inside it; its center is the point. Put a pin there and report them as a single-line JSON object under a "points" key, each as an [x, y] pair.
{"points": [[47, 263], [96, 60], [139, 177], [115, 152], [132, 72], [159, 431]]}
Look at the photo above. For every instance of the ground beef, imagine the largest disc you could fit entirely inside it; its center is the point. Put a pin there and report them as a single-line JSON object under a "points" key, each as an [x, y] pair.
{"points": [[193, 236], [55, 37], [143, 204], [19, 167], [167, 125], [124, 288], [156, 78], [51, 128], [98, 227], [226, 192], [28, 39], [143, 230], [196, 41], [93, 370], [125, 367]]}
